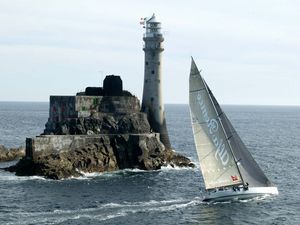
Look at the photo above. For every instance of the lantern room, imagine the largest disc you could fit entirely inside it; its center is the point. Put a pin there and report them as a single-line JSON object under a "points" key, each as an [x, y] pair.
{"points": [[153, 27]]}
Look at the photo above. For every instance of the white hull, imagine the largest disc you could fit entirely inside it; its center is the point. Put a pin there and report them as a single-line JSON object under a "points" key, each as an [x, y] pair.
{"points": [[241, 194]]}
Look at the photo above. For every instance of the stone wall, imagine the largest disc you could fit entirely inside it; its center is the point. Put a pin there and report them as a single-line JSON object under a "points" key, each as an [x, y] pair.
{"points": [[66, 107], [86, 105], [119, 104], [61, 108], [66, 110]]}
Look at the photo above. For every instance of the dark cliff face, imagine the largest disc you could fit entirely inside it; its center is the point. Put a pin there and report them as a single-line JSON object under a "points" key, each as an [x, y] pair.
{"points": [[112, 153], [101, 123]]}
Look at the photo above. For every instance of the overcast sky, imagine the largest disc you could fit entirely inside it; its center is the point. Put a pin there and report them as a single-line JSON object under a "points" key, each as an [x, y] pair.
{"points": [[249, 51]]}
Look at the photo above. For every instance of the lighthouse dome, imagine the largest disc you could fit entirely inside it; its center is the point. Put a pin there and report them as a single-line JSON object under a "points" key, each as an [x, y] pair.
{"points": [[153, 19]]}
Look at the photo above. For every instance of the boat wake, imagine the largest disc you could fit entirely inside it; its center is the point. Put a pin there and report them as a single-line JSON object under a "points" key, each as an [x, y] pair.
{"points": [[256, 199]]}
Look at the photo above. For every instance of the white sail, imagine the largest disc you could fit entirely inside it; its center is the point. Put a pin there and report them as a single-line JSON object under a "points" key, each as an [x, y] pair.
{"points": [[217, 163], [224, 159]]}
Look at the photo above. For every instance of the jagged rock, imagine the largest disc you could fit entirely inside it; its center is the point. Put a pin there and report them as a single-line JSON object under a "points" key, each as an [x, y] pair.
{"points": [[92, 158], [111, 135], [11, 154], [175, 159], [101, 123], [112, 153]]}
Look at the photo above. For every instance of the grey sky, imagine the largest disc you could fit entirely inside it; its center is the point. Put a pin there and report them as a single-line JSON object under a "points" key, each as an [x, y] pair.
{"points": [[248, 50]]}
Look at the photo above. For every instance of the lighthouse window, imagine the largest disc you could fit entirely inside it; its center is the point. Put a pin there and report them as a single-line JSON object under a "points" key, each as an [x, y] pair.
{"points": [[147, 63], [152, 71], [152, 99]]}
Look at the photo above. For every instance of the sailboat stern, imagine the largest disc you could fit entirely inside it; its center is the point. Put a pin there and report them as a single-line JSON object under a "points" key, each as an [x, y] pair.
{"points": [[236, 193]]}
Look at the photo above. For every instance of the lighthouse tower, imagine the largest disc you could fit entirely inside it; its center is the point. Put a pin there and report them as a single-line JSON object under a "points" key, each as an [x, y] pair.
{"points": [[152, 102]]}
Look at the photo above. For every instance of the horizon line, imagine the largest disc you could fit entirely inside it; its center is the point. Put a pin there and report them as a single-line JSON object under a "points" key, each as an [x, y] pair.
{"points": [[225, 104]]}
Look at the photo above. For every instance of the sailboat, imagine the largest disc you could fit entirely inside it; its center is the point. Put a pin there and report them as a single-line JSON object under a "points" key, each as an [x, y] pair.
{"points": [[228, 169]]}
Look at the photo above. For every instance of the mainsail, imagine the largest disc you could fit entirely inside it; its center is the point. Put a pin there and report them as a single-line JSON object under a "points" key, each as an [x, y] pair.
{"points": [[224, 158]]}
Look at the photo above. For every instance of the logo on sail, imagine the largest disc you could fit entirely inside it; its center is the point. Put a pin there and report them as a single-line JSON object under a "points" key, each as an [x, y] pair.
{"points": [[213, 127], [234, 178]]}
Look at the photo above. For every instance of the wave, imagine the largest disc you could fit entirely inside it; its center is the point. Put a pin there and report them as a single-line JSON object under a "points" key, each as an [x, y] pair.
{"points": [[92, 175], [8, 176], [5, 176], [110, 211], [105, 212]]}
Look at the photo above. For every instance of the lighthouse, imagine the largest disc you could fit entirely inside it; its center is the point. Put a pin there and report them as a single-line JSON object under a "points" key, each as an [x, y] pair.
{"points": [[152, 102]]}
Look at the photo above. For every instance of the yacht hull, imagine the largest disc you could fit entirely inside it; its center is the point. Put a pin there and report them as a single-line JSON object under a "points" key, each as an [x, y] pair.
{"points": [[238, 194]]}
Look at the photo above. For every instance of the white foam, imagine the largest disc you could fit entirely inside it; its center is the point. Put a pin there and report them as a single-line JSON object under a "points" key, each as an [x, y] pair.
{"points": [[91, 175], [154, 206], [152, 203], [169, 167], [113, 210], [86, 175], [111, 216], [254, 199], [8, 176]]}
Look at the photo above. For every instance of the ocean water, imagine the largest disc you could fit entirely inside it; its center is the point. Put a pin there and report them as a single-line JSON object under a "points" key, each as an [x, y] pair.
{"points": [[167, 196]]}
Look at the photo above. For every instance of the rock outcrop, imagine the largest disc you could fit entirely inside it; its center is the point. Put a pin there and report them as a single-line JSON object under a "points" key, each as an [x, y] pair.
{"points": [[11, 154], [101, 123], [110, 154], [95, 134]]}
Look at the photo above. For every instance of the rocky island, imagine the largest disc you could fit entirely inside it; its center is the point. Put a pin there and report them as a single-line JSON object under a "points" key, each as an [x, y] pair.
{"points": [[101, 129], [106, 128]]}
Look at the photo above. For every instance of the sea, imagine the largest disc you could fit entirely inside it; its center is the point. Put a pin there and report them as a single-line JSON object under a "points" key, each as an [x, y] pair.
{"points": [[167, 196]]}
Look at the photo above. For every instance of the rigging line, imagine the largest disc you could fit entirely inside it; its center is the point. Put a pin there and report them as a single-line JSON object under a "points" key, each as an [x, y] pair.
{"points": [[233, 132], [229, 137]]}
